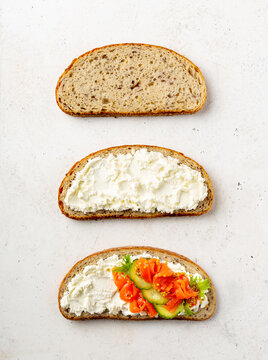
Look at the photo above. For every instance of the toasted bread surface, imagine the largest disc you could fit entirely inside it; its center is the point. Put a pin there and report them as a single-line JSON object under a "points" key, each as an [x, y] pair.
{"points": [[203, 207], [164, 255], [131, 80]]}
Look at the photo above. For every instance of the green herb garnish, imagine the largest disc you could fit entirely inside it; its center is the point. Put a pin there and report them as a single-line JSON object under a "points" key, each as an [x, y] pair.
{"points": [[201, 284], [187, 310], [125, 266]]}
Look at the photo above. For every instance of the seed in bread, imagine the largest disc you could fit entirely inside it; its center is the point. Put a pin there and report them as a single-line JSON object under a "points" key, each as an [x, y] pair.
{"points": [[131, 79], [135, 181], [89, 290]]}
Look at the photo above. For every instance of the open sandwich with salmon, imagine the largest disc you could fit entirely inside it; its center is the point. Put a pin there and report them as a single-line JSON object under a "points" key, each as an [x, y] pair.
{"points": [[136, 283]]}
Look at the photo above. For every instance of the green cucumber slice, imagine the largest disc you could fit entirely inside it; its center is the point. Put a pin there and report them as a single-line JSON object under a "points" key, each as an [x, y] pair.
{"points": [[154, 297], [164, 313], [138, 280]]}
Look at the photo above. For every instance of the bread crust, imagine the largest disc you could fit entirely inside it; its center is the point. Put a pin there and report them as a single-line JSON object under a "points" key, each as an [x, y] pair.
{"points": [[127, 214], [118, 114], [140, 249]]}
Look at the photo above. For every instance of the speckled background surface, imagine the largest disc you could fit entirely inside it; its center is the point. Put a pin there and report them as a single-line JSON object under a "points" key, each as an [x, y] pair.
{"points": [[39, 143]]}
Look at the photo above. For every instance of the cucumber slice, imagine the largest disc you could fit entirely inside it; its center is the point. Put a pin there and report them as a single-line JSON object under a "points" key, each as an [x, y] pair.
{"points": [[138, 280], [164, 313], [154, 297]]}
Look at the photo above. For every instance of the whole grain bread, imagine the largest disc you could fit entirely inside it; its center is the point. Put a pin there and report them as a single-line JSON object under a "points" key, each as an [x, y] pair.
{"points": [[164, 255], [131, 79], [203, 207]]}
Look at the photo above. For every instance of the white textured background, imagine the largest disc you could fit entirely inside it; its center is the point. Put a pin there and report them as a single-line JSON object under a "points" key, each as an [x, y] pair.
{"points": [[39, 143]]}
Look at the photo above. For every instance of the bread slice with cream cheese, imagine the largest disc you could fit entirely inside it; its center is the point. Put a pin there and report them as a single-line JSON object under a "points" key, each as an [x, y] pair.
{"points": [[136, 251], [131, 80], [129, 206]]}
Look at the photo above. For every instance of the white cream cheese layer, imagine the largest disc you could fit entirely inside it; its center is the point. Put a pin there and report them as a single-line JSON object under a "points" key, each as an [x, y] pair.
{"points": [[139, 181], [94, 290]]}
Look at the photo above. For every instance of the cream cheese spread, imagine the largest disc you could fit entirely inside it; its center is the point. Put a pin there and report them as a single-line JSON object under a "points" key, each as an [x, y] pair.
{"points": [[94, 291], [142, 180]]}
